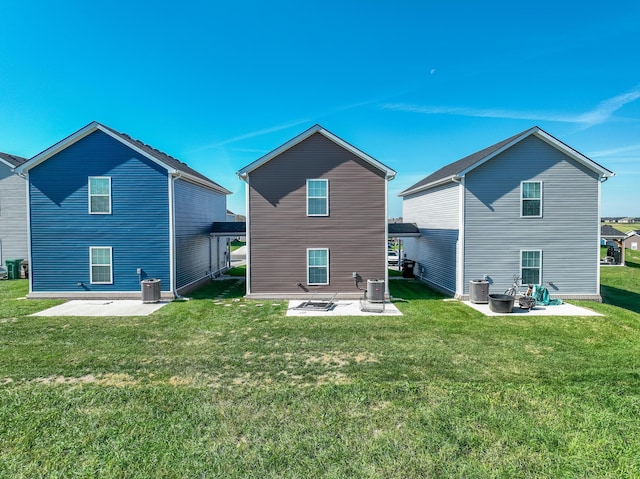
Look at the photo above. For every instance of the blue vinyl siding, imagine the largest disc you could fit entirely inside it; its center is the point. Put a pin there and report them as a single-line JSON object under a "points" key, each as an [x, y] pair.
{"points": [[567, 232], [62, 230], [197, 255]]}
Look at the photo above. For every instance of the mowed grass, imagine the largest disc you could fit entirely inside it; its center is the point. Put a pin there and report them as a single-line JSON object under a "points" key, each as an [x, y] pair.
{"points": [[224, 387]]}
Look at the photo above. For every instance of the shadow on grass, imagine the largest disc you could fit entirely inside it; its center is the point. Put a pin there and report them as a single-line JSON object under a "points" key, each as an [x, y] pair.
{"points": [[221, 289], [412, 289], [621, 298]]}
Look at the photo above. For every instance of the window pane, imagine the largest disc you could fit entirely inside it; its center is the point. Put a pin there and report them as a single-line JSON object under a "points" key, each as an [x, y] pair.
{"points": [[99, 186], [530, 267], [317, 188], [531, 208], [317, 275], [100, 256], [531, 190], [101, 274], [99, 204], [317, 206]]}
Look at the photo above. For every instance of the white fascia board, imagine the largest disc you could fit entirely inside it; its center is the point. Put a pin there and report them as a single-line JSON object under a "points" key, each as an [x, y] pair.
{"points": [[579, 157], [443, 181], [242, 173], [61, 145]]}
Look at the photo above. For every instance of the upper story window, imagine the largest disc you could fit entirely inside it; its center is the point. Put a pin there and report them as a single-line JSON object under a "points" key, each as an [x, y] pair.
{"points": [[531, 198], [317, 197], [99, 195]]}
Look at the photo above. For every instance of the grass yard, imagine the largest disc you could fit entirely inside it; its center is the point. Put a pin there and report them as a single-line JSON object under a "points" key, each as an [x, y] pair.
{"points": [[223, 387]]}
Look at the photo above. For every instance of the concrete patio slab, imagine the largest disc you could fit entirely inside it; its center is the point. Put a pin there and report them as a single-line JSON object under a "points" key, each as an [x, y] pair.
{"points": [[343, 308], [564, 309], [82, 307]]}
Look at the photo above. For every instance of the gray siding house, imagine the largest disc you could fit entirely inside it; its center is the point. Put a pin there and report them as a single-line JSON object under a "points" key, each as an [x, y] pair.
{"points": [[316, 217], [13, 210], [505, 211]]}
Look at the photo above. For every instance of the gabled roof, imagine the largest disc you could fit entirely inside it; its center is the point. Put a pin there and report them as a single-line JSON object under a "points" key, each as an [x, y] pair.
{"points": [[11, 161], [398, 230], [458, 169], [172, 165], [610, 232], [229, 228], [389, 173]]}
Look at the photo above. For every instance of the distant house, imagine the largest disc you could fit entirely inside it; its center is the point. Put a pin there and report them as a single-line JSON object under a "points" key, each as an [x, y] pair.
{"points": [[611, 237], [632, 240], [107, 211], [13, 210], [507, 210], [316, 218]]}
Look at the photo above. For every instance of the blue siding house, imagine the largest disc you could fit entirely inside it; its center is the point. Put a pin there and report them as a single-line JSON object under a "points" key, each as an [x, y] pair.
{"points": [[13, 210], [506, 211], [107, 211]]}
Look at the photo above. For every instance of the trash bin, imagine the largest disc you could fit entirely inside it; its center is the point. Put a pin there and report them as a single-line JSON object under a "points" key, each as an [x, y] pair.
{"points": [[479, 291], [407, 268], [150, 290], [13, 268]]}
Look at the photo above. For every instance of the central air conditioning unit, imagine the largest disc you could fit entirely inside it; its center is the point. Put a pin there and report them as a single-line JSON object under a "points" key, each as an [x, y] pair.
{"points": [[375, 290]]}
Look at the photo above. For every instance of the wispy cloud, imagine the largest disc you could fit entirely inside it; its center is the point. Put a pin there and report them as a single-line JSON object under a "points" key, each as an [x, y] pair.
{"points": [[615, 151], [252, 134], [600, 114]]}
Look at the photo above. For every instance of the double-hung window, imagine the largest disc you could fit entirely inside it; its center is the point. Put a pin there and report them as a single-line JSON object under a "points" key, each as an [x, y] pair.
{"points": [[101, 264], [531, 267], [99, 195], [531, 198], [317, 197], [317, 266]]}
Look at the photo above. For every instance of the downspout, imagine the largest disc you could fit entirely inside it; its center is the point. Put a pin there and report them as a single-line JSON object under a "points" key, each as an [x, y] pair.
{"points": [[460, 245], [26, 177], [174, 175], [387, 179]]}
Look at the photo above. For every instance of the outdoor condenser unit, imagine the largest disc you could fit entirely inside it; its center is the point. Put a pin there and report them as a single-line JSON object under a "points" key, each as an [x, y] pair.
{"points": [[375, 290]]}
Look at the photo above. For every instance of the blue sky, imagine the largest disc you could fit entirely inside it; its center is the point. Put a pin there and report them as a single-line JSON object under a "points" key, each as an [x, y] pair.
{"points": [[414, 84]]}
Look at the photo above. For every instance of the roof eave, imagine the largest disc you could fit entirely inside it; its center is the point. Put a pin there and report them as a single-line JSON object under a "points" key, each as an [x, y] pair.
{"points": [[244, 172], [428, 186], [198, 181]]}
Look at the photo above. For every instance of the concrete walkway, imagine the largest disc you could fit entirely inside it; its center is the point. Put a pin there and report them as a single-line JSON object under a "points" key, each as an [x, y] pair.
{"points": [[564, 309], [344, 308], [96, 307]]}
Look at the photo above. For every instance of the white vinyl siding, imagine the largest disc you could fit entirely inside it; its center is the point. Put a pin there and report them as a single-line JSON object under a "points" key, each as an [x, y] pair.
{"points": [[317, 197], [100, 258], [100, 195], [531, 267], [317, 266], [531, 198]]}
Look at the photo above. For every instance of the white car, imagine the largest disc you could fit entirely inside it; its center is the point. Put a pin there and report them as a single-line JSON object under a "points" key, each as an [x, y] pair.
{"points": [[392, 258]]}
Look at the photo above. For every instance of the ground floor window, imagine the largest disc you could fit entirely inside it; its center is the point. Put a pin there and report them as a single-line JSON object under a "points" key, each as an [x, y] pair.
{"points": [[101, 265], [531, 266], [318, 266]]}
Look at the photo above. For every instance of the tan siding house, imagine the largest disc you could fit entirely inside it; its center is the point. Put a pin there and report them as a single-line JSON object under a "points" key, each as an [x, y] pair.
{"points": [[316, 214]]}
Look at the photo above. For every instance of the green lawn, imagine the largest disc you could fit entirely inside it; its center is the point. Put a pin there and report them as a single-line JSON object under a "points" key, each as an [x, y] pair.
{"points": [[233, 388]]}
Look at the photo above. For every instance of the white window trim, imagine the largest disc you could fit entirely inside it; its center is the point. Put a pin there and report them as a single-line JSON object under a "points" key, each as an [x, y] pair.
{"points": [[91, 265], [326, 198], [522, 199], [90, 195], [539, 251], [328, 262]]}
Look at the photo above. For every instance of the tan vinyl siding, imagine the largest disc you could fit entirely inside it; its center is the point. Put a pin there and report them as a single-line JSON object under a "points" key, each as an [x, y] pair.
{"points": [[280, 230], [567, 233]]}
